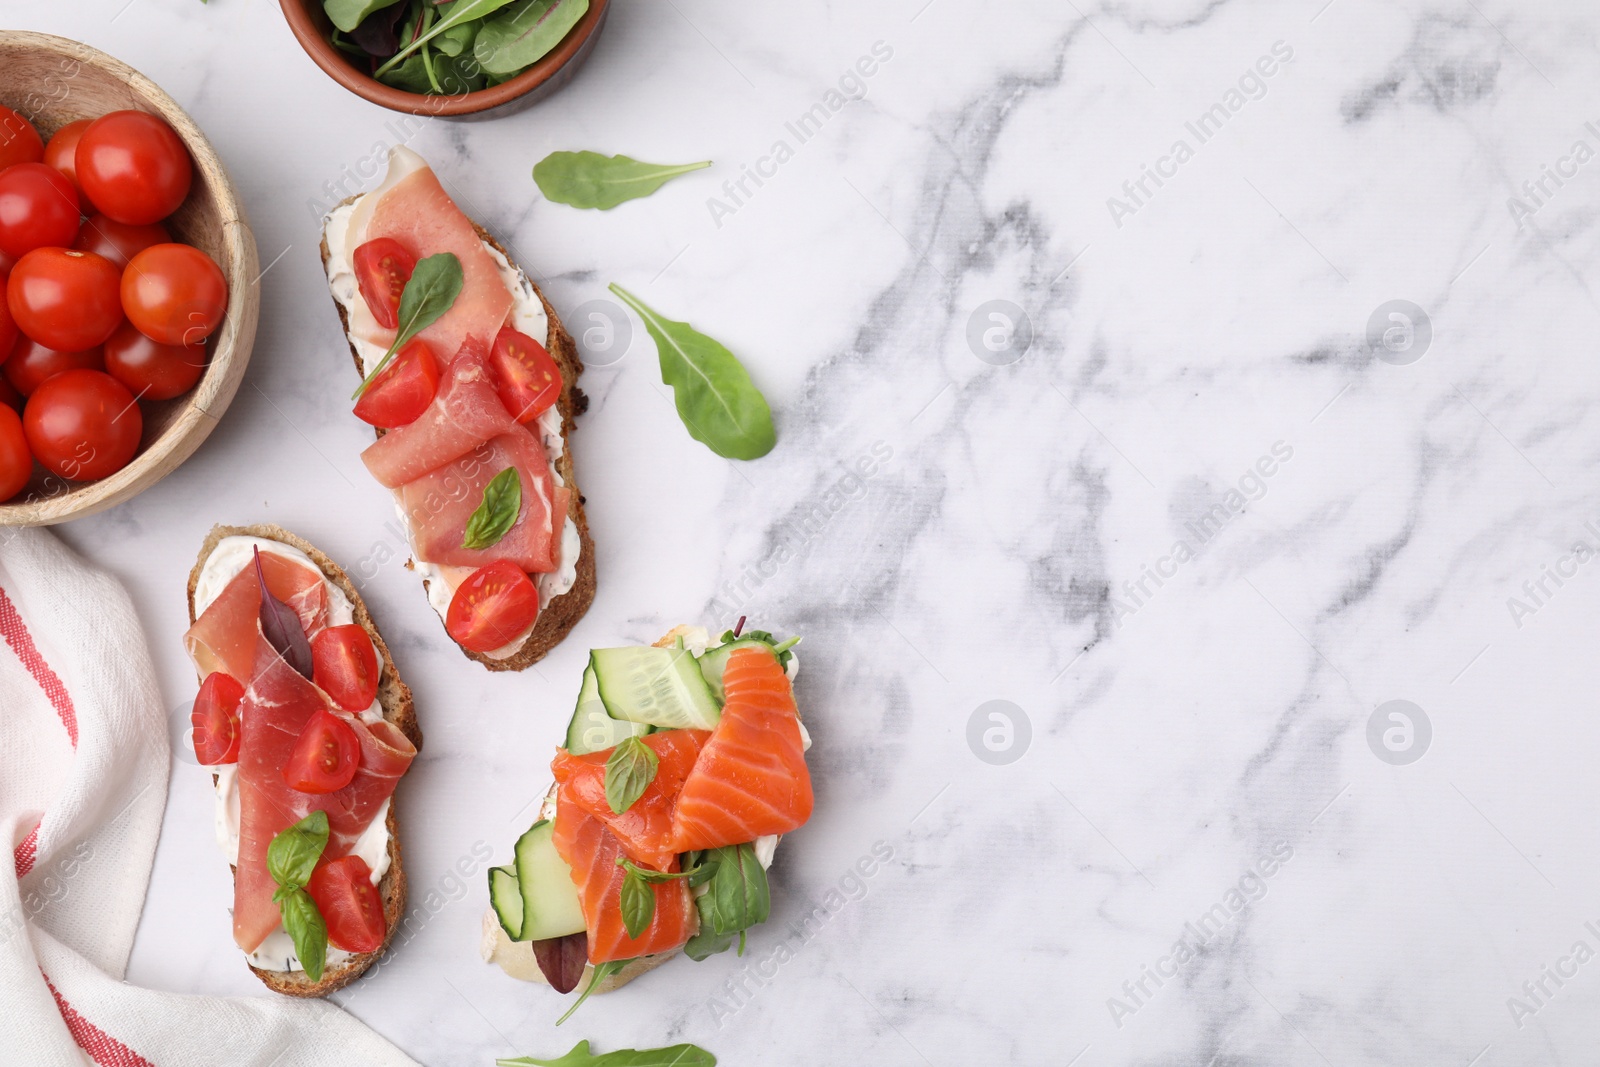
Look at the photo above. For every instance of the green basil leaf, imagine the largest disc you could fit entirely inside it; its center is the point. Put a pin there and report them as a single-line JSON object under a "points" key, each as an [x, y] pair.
{"points": [[638, 904], [305, 927], [580, 1056], [701, 866], [630, 769], [293, 854], [348, 14], [650, 876], [525, 32], [738, 890], [502, 503], [431, 292], [462, 11], [588, 179], [602, 971], [718, 403]]}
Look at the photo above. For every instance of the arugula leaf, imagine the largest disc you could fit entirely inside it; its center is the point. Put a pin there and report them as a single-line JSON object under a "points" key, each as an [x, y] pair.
{"points": [[602, 971], [348, 14], [431, 292], [293, 854], [521, 35], [502, 502], [580, 1056], [462, 11], [305, 927], [718, 403], [588, 179], [630, 769]]}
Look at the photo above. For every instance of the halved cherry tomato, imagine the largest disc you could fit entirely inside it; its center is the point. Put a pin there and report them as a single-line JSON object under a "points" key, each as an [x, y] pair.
{"points": [[216, 719], [38, 209], [64, 299], [325, 757], [30, 363], [383, 266], [118, 241], [82, 424], [19, 141], [524, 375], [133, 167], [345, 666], [61, 154], [16, 461], [403, 391], [174, 293], [8, 325], [150, 369], [492, 607], [349, 903]]}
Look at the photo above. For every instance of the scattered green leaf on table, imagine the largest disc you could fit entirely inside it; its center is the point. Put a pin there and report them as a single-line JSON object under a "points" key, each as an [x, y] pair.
{"points": [[719, 405], [461, 11], [347, 14], [630, 769], [588, 179], [525, 32], [502, 503], [431, 292], [580, 1056]]}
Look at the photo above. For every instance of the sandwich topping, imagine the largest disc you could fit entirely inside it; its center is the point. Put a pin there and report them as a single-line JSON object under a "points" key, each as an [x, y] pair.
{"points": [[465, 396]]}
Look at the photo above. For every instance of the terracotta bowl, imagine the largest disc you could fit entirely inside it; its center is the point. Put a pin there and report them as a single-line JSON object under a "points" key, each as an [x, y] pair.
{"points": [[311, 28], [53, 81]]}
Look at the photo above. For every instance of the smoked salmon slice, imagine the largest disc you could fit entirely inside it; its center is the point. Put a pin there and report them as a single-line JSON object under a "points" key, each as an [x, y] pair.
{"points": [[750, 779], [645, 829], [591, 851], [224, 637]]}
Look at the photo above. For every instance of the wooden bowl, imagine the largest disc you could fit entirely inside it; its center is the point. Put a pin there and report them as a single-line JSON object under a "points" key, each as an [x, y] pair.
{"points": [[53, 81], [311, 28]]}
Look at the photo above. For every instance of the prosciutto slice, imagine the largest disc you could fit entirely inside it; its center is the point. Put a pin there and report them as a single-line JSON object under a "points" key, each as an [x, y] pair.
{"points": [[224, 637]]}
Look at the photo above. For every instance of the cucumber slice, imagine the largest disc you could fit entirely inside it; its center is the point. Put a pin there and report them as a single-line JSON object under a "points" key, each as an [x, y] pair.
{"points": [[506, 898], [591, 728], [549, 897], [715, 661], [659, 686]]}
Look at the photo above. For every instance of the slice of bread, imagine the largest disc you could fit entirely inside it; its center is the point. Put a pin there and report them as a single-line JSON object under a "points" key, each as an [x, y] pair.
{"points": [[563, 611], [395, 698]]}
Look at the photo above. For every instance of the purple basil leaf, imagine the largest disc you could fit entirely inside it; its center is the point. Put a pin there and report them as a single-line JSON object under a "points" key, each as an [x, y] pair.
{"points": [[562, 960], [379, 33], [281, 627]]}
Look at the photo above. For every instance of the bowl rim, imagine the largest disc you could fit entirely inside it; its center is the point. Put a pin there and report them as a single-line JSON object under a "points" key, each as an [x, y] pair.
{"points": [[322, 52], [235, 337]]}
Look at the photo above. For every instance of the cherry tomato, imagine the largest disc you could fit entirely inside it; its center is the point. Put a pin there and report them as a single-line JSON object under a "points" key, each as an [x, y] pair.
{"points": [[524, 375], [19, 141], [10, 397], [64, 299], [383, 266], [325, 757], [118, 241], [216, 719], [82, 424], [8, 325], [38, 209], [16, 461], [492, 607], [31, 363], [150, 369], [133, 167], [349, 903], [61, 155], [174, 293], [345, 666], [403, 391]]}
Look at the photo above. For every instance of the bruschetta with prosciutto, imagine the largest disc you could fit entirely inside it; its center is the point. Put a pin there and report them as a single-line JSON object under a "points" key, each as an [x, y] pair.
{"points": [[469, 381]]}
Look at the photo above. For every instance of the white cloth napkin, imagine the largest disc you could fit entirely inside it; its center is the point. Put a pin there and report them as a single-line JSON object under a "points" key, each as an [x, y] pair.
{"points": [[83, 782]]}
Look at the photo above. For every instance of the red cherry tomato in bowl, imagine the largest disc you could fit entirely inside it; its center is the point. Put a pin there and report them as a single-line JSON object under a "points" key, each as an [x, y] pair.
{"points": [[61, 155], [524, 374], [216, 719], [382, 267], [150, 369], [64, 299], [133, 167], [345, 666], [82, 424], [399, 395], [8, 325], [38, 209], [492, 607], [325, 757], [349, 903], [118, 241], [16, 461], [10, 397], [19, 141], [31, 363], [174, 294]]}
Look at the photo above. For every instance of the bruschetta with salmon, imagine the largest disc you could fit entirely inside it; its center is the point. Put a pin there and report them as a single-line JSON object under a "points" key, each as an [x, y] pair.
{"points": [[683, 764], [470, 383], [307, 728]]}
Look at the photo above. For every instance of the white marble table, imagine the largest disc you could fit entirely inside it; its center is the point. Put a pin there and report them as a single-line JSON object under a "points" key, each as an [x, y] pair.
{"points": [[1193, 755]]}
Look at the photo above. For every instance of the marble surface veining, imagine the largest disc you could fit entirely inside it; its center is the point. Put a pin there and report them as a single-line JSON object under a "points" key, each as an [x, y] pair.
{"points": [[1195, 379]]}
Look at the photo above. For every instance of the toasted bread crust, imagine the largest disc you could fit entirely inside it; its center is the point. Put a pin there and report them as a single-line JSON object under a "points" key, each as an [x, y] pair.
{"points": [[398, 708], [563, 611]]}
